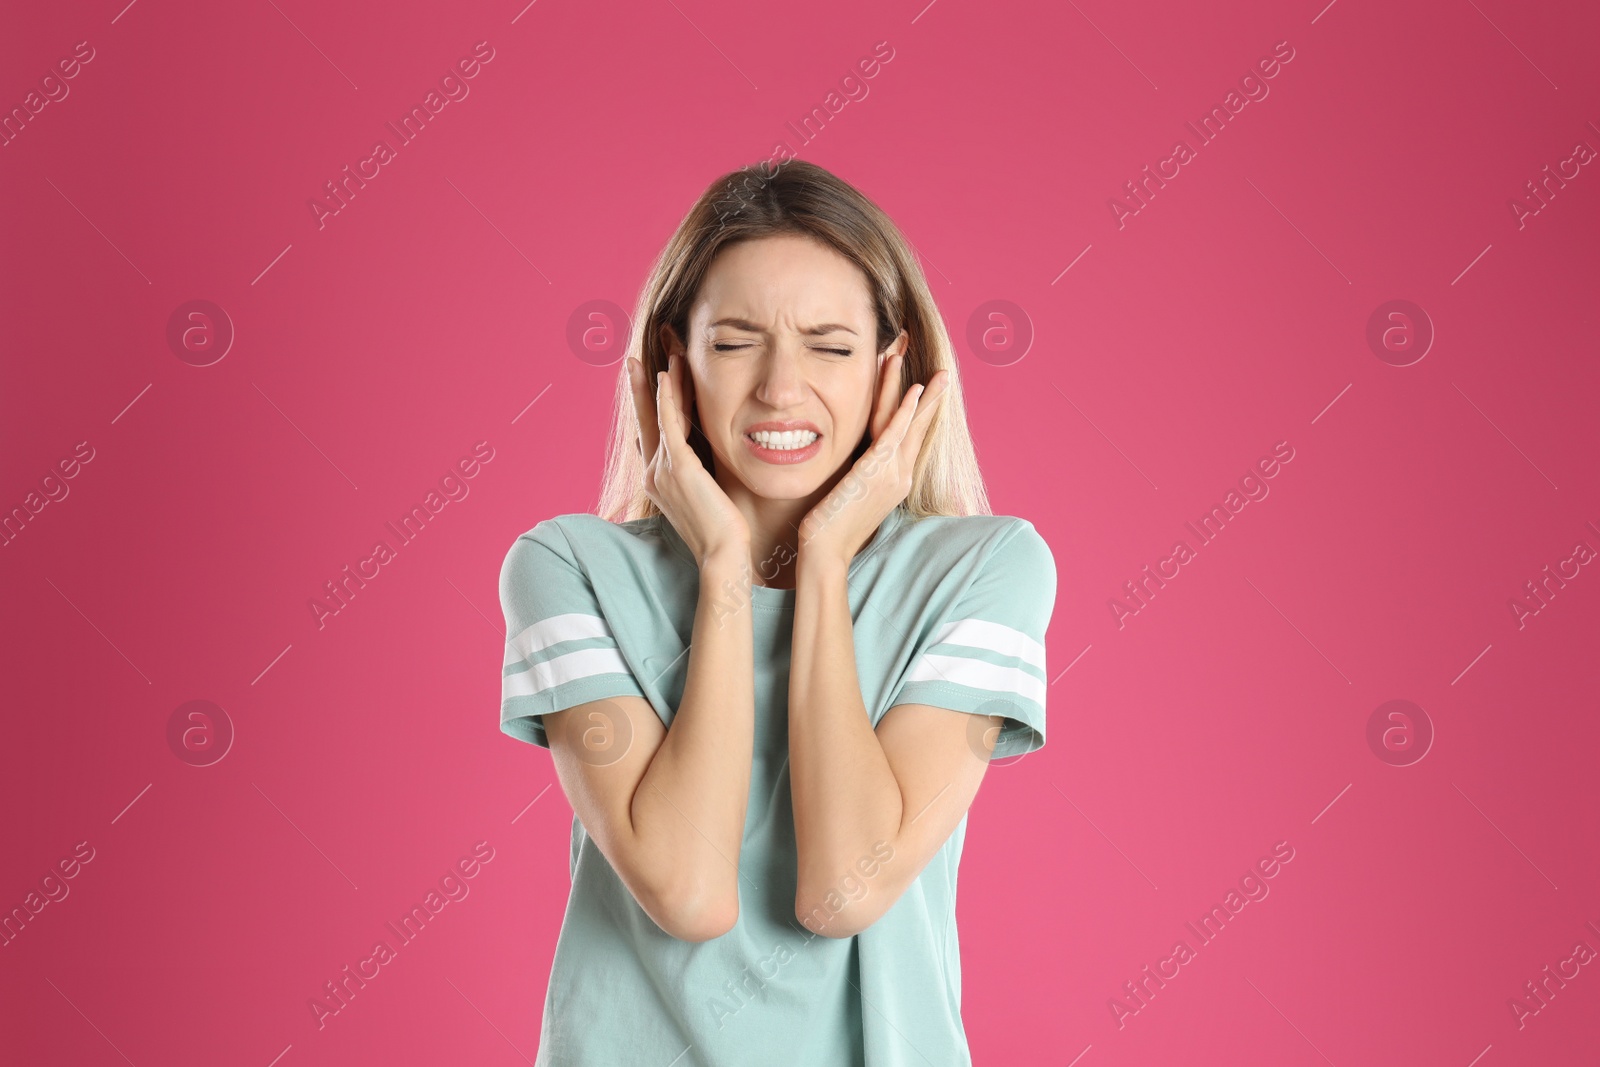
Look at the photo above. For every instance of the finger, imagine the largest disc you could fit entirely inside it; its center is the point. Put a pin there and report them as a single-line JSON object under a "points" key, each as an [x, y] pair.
{"points": [[685, 408], [683, 388], [677, 370], [667, 414], [883, 407], [928, 402], [923, 405], [895, 432], [644, 408], [927, 407]]}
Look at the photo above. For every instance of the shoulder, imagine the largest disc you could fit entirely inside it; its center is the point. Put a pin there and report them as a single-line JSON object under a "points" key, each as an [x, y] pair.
{"points": [[1008, 539], [569, 535], [601, 550]]}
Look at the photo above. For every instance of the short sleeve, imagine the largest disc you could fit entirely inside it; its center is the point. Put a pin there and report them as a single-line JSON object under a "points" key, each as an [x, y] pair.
{"points": [[987, 657], [559, 648]]}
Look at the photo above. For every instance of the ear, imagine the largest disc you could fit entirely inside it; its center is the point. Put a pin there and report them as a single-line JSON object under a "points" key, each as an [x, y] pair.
{"points": [[671, 346], [895, 347], [687, 382], [886, 395], [669, 339]]}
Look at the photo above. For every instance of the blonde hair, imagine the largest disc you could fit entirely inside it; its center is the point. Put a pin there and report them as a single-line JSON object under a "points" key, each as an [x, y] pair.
{"points": [[801, 198]]}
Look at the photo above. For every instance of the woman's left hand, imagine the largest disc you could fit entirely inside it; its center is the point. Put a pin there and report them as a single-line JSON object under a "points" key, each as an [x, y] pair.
{"points": [[842, 521]]}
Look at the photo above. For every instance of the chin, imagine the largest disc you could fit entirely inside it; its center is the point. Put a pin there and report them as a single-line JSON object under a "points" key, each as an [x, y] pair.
{"points": [[791, 486], [799, 482]]}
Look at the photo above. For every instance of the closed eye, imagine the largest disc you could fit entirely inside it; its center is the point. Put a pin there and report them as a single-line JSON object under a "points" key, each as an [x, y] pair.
{"points": [[724, 347]]}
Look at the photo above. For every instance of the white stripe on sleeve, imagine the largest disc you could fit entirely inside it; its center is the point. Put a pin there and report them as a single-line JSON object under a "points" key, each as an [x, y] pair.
{"points": [[556, 629], [547, 674], [992, 637], [977, 674]]}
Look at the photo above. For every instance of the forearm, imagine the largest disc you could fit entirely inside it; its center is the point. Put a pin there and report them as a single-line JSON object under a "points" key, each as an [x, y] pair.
{"points": [[689, 809], [846, 797]]}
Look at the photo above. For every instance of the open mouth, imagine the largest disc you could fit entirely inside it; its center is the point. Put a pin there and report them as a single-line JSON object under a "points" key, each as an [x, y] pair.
{"points": [[783, 440], [784, 446]]}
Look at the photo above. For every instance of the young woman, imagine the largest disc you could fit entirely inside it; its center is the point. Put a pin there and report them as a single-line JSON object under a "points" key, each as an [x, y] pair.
{"points": [[773, 668]]}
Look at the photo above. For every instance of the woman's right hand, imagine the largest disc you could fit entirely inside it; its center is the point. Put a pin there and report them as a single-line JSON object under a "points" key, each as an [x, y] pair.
{"points": [[674, 478]]}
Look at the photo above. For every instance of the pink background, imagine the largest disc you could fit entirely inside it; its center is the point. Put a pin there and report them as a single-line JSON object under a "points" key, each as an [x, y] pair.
{"points": [[1228, 314]]}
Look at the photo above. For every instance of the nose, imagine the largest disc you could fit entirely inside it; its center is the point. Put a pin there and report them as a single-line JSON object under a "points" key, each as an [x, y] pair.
{"points": [[782, 380]]}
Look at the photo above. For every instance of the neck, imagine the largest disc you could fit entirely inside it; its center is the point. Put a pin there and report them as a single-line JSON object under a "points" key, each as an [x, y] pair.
{"points": [[774, 531]]}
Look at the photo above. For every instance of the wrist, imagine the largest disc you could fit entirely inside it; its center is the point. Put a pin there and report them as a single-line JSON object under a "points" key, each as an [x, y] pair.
{"points": [[727, 561], [821, 561]]}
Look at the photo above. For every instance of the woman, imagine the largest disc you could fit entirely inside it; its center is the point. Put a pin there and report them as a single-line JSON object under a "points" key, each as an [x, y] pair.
{"points": [[773, 669]]}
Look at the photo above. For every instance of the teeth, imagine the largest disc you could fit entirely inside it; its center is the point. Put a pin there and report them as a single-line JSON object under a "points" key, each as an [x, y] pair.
{"points": [[785, 441]]}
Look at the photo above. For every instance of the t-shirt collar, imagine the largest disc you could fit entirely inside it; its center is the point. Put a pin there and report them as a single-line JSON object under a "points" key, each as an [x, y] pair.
{"points": [[884, 532]]}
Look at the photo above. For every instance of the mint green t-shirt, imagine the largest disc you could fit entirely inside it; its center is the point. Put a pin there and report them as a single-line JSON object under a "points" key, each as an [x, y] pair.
{"points": [[947, 611]]}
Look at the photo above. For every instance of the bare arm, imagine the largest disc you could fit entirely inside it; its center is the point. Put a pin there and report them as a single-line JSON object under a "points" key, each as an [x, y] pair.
{"points": [[667, 807], [870, 808], [668, 811]]}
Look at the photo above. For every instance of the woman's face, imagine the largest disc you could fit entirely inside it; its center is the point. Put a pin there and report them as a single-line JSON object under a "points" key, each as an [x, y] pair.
{"points": [[782, 359]]}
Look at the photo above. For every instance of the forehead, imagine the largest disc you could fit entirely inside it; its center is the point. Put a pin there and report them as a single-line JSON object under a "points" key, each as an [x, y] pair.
{"points": [[786, 281]]}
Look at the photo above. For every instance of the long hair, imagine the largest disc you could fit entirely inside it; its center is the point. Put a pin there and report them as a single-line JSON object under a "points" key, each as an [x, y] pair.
{"points": [[798, 197]]}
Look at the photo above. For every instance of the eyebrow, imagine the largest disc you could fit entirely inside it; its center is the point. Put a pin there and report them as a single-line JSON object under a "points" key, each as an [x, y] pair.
{"points": [[822, 328]]}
